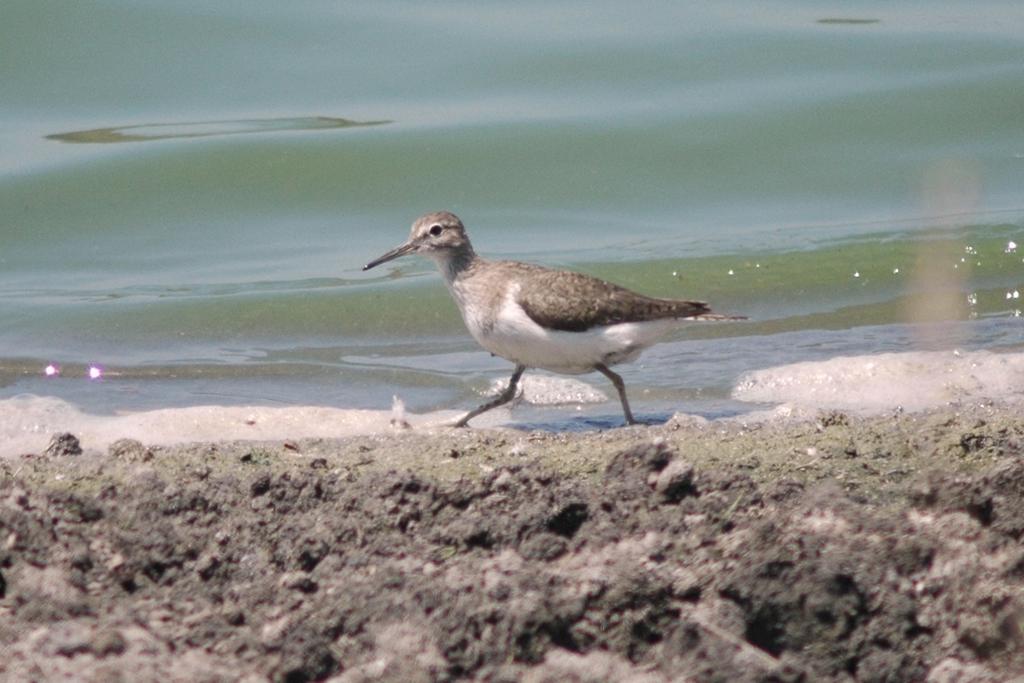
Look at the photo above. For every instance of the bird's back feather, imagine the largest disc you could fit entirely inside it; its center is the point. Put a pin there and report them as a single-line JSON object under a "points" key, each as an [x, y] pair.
{"points": [[574, 302]]}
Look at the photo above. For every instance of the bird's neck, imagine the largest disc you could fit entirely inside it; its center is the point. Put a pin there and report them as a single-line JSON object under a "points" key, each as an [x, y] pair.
{"points": [[457, 263]]}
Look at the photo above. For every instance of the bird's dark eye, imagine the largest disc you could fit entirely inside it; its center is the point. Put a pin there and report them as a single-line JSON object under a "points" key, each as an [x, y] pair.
{"points": [[435, 230]]}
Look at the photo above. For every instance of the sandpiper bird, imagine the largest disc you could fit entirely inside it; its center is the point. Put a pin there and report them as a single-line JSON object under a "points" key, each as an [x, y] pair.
{"points": [[538, 317]]}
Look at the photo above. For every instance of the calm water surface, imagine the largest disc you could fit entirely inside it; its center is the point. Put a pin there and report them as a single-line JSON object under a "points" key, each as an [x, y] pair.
{"points": [[188, 191]]}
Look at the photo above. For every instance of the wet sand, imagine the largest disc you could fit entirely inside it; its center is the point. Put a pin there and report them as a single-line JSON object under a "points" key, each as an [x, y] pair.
{"points": [[828, 549]]}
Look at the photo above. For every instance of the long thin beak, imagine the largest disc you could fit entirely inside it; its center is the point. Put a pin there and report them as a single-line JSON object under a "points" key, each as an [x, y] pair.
{"points": [[400, 250]]}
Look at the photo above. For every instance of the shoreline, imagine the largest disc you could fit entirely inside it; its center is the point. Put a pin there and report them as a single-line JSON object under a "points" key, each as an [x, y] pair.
{"points": [[728, 548]]}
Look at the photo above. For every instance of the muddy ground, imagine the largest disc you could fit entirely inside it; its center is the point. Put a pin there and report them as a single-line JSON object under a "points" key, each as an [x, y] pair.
{"points": [[835, 549]]}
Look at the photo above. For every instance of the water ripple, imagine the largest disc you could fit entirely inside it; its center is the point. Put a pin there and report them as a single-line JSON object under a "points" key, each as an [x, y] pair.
{"points": [[202, 129]]}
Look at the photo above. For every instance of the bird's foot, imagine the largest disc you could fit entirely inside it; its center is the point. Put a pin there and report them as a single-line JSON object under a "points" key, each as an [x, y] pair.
{"points": [[462, 422]]}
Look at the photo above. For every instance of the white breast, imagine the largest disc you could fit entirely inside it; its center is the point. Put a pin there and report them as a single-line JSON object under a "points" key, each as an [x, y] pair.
{"points": [[512, 334]]}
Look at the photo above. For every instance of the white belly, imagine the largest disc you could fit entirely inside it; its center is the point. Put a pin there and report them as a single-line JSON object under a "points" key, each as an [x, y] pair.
{"points": [[514, 335]]}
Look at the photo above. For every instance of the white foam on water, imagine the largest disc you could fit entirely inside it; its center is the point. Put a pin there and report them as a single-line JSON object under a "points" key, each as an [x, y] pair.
{"points": [[870, 384], [880, 383], [546, 390], [28, 422]]}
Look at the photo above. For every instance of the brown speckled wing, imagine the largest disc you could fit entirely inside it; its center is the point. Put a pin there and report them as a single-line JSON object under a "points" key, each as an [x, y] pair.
{"points": [[574, 302]]}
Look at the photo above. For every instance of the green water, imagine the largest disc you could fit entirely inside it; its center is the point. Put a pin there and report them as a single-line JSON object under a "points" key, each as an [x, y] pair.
{"points": [[188, 191]]}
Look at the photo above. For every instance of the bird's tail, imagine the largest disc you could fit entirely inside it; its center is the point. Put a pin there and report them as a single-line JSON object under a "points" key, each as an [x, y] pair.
{"points": [[713, 317]]}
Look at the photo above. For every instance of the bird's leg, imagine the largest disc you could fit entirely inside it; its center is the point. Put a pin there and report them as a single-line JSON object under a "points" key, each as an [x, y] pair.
{"points": [[502, 398], [620, 386]]}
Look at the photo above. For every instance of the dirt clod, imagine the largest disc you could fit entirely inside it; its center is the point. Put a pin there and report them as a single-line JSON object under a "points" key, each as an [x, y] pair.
{"points": [[63, 444]]}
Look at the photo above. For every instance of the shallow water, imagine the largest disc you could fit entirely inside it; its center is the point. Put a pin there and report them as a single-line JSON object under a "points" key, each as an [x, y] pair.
{"points": [[189, 192]]}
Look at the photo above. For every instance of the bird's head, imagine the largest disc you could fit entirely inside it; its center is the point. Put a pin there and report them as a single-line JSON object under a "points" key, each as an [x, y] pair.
{"points": [[439, 235]]}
